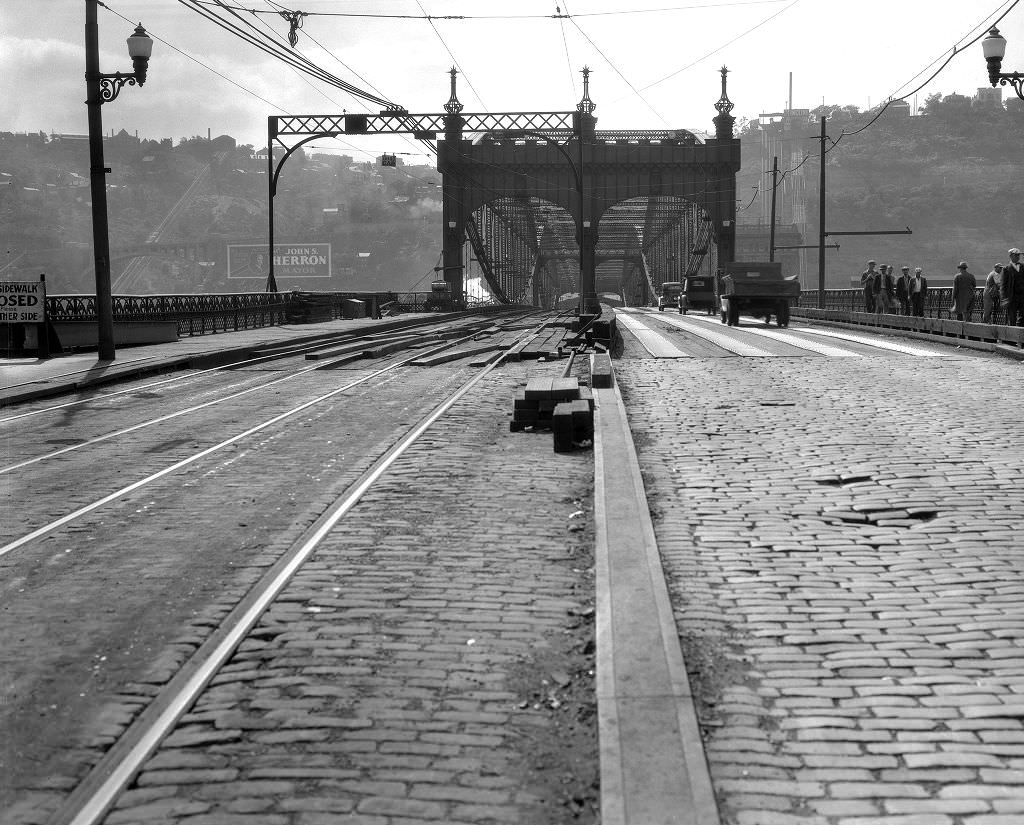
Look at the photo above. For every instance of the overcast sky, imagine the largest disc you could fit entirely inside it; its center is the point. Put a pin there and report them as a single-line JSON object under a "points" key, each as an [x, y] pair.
{"points": [[654, 62]]}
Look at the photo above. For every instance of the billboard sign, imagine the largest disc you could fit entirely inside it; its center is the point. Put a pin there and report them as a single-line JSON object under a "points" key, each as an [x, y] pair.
{"points": [[22, 302], [311, 260]]}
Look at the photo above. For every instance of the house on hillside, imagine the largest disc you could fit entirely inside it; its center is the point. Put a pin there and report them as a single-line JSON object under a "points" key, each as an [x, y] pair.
{"points": [[223, 143], [989, 98]]}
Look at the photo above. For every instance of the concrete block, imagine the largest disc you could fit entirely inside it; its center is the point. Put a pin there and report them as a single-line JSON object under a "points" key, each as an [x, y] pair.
{"points": [[600, 370], [537, 388], [565, 389]]}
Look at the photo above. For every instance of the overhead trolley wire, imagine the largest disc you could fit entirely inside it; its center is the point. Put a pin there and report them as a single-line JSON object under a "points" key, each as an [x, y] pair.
{"points": [[452, 56], [448, 17], [272, 48], [724, 45], [620, 74], [565, 43]]}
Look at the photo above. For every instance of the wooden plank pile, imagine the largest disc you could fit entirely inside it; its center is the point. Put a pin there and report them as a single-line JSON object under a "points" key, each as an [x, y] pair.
{"points": [[557, 404]]}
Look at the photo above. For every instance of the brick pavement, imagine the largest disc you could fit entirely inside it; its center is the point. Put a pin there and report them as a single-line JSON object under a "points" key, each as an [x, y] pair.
{"points": [[416, 668], [844, 552]]}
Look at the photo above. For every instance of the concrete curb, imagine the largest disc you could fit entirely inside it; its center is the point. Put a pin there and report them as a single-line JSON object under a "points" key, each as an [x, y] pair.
{"points": [[1006, 350], [653, 767]]}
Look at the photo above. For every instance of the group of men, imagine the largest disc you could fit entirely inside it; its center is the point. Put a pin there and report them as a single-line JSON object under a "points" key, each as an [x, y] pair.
{"points": [[882, 291], [1004, 286]]}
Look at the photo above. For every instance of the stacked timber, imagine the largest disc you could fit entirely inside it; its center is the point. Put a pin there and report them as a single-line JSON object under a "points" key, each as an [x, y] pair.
{"points": [[557, 404]]}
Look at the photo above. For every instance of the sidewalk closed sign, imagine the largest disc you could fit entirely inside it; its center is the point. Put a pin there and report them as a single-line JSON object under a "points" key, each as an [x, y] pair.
{"points": [[22, 302]]}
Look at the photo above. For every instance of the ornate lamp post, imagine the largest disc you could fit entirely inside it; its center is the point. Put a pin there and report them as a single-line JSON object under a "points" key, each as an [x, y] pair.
{"points": [[102, 88], [994, 46]]}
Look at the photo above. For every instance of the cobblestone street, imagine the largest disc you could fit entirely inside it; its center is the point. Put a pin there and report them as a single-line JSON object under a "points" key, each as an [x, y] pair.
{"points": [[844, 551]]}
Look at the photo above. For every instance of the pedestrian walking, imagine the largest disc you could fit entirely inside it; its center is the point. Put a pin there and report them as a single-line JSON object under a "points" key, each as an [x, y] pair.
{"points": [[990, 295], [903, 290], [867, 282], [918, 293], [1011, 289], [964, 286]]}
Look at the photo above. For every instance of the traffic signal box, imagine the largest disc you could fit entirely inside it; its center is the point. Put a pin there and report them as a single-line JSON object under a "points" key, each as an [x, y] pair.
{"points": [[557, 404]]}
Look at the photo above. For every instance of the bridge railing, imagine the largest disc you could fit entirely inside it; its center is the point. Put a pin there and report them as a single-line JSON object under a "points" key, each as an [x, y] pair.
{"points": [[938, 303], [206, 314], [194, 314]]}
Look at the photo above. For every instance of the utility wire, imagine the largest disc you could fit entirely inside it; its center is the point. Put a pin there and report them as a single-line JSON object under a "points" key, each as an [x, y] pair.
{"points": [[195, 60], [565, 43], [724, 45], [957, 49], [282, 9], [620, 74], [555, 16], [270, 47], [452, 56]]}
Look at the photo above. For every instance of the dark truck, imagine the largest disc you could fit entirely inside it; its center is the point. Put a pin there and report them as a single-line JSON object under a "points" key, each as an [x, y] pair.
{"points": [[698, 293], [757, 288]]}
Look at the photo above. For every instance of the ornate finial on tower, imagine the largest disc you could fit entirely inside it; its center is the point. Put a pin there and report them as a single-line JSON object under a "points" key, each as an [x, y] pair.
{"points": [[724, 105], [586, 105], [724, 121], [453, 107]]}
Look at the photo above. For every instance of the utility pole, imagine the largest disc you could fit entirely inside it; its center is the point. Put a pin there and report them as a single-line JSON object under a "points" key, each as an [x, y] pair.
{"points": [[821, 221], [98, 186], [775, 183]]}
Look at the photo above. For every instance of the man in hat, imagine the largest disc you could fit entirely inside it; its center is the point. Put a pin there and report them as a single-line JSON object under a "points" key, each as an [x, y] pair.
{"points": [[1011, 289], [884, 290], [918, 292], [964, 285], [903, 290], [990, 295], [867, 281]]}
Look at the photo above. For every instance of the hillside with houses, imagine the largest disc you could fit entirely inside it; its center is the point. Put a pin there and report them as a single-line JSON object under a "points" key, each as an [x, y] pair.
{"points": [[206, 195], [951, 172]]}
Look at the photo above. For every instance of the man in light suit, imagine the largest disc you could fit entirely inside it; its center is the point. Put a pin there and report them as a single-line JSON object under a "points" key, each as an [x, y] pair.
{"points": [[918, 292], [1011, 289]]}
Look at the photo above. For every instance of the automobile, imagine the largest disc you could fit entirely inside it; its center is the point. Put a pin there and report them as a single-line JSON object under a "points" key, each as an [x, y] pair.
{"points": [[440, 298], [760, 289], [699, 293], [669, 297]]}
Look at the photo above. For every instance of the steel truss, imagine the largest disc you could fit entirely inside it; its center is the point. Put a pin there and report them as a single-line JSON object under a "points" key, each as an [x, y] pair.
{"points": [[551, 206], [423, 126]]}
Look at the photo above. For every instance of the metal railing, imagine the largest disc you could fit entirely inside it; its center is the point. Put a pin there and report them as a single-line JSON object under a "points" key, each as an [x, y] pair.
{"points": [[208, 314], [938, 303]]}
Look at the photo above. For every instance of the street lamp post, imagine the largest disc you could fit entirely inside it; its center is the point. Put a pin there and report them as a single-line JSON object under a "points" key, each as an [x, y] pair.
{"points": [[994, 47], [103, 88]]}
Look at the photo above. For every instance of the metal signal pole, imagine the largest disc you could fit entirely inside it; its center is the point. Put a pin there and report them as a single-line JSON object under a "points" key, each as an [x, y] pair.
{"points": [[821, 221], [771, 232]]}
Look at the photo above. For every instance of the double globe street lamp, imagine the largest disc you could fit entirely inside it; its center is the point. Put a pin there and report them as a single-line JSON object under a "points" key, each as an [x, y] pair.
{"points": [[103, 88], [994, 46]]}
